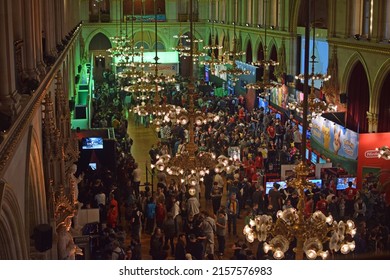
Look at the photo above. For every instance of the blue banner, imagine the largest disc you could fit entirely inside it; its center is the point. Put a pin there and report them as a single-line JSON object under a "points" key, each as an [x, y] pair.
{"points": [[335, 138]]}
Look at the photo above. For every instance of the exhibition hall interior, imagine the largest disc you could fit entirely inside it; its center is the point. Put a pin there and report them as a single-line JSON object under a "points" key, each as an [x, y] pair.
{"points": [[194, 130]]}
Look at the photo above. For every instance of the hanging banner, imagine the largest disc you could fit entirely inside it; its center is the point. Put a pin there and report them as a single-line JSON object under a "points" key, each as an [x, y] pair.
{"points": [[335, 142], [335, 138], [279, 96]]}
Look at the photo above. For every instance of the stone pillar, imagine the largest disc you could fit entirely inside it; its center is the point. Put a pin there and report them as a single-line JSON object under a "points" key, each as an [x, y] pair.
{"points": [[31, 71], [58, 23], [9, 97], [372, 121], [38, 38]]}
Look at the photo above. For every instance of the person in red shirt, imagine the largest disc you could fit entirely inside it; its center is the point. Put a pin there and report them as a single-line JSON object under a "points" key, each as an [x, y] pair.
{"points": [[309, 206], [113, 211], [322, 205], [349, 194], [241, 113], [271, 132]]}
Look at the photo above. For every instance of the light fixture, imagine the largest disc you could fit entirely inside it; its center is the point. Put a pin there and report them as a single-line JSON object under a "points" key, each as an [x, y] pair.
{"points": [[383, 152], [212, 48], [191, 165], [265, 84], [316, 106], [310, 234], [293, 227]]}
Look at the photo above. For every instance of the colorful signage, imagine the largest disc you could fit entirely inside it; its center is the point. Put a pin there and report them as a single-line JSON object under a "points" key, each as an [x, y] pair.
{"points": [[279, 96], [371, 168], [336, 143], [335, 138]]}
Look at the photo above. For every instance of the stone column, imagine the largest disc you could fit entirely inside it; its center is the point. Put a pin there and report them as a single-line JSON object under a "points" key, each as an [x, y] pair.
{"points": [[38, 38], [31, 71], [372, 121], [9, 97], [58, 23]]}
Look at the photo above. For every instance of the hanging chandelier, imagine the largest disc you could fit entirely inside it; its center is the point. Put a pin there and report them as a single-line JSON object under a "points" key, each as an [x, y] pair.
{"points": [[230, 58], [212, 48], [313, 235], [316, 106], [309, 233], [190, 164], [265, 84]]}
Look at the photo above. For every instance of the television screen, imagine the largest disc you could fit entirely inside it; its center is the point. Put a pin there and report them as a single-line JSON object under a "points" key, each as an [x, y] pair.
{"points": [[278, 116], [342, 183], [314, 158], [92, 143], [270, 185], [322, 160], [92, 165], [308, 132], [318, 182]]}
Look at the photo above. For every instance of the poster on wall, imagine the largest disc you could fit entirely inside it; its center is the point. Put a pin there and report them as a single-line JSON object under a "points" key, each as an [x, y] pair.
{"points": [[370, 166], [335, 142]]}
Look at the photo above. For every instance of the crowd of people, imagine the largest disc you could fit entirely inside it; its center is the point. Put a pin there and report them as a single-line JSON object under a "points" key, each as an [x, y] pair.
{"points": [[172, 218]]}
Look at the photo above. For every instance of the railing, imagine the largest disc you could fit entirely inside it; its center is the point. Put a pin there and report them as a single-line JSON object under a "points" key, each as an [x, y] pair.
{"points": [[11, 139]]}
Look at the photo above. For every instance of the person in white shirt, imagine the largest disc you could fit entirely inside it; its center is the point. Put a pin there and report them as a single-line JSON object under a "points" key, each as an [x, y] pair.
{"points": [[136, 179]]}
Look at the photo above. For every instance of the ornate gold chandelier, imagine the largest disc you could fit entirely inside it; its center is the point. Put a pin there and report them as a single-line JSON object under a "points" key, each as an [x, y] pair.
{"points": [[316, 106], [310, 233], [190, 164], [265, 84]]}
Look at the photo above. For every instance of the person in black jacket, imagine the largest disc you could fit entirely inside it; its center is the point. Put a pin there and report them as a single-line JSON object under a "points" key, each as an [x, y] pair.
{"points": [[180, 251]]}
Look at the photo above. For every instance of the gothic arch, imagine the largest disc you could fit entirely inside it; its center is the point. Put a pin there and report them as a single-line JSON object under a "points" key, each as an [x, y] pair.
{"points": [[12, 234], [93, 34], [383, 72], [36, 210], [358, 94], [355, 58]]}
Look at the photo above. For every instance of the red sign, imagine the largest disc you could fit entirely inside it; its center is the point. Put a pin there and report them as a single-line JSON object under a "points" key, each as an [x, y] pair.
{"points": [[368, 160]]}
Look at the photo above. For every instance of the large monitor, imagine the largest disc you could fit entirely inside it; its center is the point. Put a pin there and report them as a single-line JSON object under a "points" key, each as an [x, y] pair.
{"points": [[270, 185], [92, 143], [342, 183]]}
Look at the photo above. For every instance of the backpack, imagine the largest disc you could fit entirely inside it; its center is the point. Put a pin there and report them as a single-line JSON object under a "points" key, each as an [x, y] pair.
{"points": [[121, 254]]}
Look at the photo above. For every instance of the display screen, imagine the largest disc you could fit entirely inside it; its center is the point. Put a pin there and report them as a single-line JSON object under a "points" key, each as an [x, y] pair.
{"points": [[270, 185], [92, 143], [342, 183], [314, 158], [322, 160], [308, 132], [318, 182], [92, 165], [278, 116]]}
